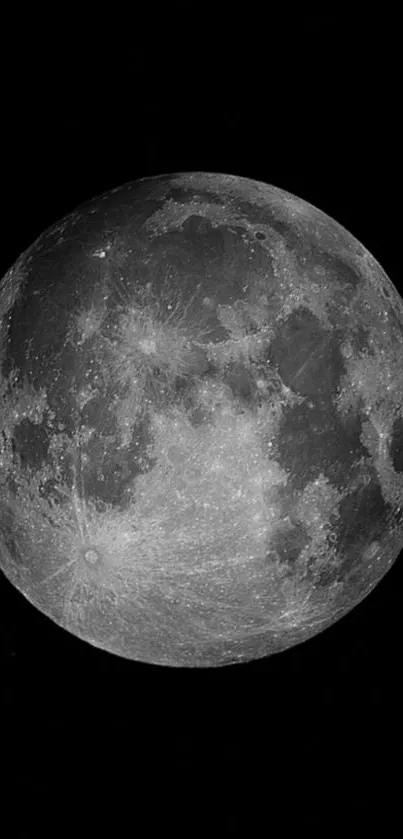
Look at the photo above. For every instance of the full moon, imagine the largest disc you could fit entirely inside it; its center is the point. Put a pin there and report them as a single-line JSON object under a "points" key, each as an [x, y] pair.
{"points": [[201, 421]]}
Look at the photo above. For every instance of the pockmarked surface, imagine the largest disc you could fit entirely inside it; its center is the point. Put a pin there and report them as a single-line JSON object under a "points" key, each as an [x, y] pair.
{"points": [[201, 421]]}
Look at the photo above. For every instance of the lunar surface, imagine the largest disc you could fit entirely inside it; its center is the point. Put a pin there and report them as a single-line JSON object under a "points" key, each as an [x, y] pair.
{"points": [[201, 421]]}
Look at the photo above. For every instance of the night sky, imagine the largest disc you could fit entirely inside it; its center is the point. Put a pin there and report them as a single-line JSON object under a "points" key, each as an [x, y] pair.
{"points": [[315, 113]]}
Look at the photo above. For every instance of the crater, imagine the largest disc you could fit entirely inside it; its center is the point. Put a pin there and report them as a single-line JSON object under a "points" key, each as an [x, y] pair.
{"points": [[92, 556]]}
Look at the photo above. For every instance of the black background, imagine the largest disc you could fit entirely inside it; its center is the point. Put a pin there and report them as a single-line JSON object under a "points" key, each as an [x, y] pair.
{"points": [[311, 105]]}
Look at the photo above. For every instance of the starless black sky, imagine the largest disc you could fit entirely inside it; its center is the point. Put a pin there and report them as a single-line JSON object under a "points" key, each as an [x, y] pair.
{"points": [[312, 109]]}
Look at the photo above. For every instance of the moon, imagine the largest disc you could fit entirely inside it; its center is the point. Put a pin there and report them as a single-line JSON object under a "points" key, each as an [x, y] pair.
{"points": [[201, 421]]}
